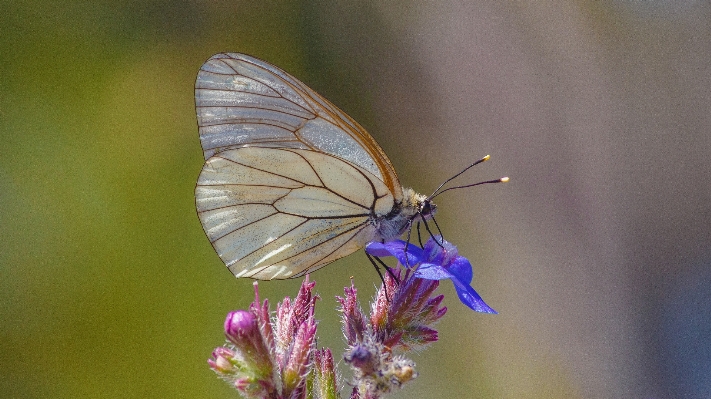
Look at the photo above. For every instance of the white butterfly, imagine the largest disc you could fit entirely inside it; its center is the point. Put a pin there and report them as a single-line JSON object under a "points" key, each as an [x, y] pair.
{"points": [[290, 182]]}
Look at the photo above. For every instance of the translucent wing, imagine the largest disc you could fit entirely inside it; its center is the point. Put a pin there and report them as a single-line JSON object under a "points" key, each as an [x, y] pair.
{"points": [[275, 213], [241, 100]]}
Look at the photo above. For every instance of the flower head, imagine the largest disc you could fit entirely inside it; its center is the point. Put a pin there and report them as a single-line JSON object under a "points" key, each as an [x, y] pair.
{"points": [[405, 311], [402, 317], [438, 260], [246, 363], [265, 358], [274, 356], [295, 331]]}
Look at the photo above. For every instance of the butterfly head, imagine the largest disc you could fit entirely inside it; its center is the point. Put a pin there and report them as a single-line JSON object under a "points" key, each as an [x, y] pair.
{"points": [[418, 206], [427, 209]]}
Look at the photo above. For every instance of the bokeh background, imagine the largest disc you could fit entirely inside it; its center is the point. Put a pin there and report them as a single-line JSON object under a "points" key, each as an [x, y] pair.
{"points": [[597, 254]]}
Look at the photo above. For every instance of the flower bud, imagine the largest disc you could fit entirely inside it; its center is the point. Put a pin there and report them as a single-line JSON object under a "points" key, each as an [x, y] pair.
{"points": [[239, 325], [242, 330], [221, 361], [325, 384]]}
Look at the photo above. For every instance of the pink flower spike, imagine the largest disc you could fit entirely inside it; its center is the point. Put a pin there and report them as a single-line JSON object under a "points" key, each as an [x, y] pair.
{"points": [[404, 320], [262, 314], [325, 385], [294, 335], [289, 317], [297, 366], [352, 318]]}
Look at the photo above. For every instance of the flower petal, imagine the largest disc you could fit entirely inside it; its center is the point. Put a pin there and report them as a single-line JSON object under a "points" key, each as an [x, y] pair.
{"points": [[461, 268], [397, 249], [430, 271], [470, 298], [440, 251]]}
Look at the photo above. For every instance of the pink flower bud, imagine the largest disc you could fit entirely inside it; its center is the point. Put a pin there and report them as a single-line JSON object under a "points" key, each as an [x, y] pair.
{"points": [[242, 330], [240, 324], [220, 361]]}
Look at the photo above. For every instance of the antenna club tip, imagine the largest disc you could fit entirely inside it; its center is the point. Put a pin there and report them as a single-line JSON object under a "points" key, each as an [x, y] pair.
{"points": [[504, 179], [486, 158]]}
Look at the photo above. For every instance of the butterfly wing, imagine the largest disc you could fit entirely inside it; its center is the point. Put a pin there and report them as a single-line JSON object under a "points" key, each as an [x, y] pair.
{"points": [[242, 100], [274, 213], [290, 181]]}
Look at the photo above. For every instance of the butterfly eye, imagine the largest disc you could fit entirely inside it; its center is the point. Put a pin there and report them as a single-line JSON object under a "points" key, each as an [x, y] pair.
{"points": [[426, 208]]}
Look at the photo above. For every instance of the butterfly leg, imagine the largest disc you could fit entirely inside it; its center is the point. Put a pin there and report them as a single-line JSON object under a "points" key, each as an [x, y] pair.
{"points": [[427, 227], [407, 243], [438, 229], [377, 269], [389, 270]]}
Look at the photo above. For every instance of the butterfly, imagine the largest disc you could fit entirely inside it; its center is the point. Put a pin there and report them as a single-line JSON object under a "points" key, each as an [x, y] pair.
{"points": [[290, 182]]}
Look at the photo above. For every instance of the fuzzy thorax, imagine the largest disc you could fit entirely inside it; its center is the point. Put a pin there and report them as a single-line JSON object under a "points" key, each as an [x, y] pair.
{"points": [[413, 208]]}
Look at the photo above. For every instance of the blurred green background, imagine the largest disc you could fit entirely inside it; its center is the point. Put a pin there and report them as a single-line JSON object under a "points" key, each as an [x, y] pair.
{"points": [[596, 255]]}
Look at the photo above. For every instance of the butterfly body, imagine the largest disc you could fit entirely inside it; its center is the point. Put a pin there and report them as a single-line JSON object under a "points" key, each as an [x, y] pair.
{"points": [[414, 207], [290, 182]]}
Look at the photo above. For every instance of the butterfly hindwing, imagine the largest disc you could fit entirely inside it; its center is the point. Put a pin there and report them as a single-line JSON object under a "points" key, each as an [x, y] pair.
{"points": [[280, 212]]}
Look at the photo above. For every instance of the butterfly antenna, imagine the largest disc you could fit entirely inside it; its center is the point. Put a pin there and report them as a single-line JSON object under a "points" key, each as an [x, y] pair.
{"points": [[486, 158], [501, 180]]}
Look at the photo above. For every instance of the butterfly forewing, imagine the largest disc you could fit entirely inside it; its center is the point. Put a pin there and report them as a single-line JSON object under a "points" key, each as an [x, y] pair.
{"points": [[241, 100]]}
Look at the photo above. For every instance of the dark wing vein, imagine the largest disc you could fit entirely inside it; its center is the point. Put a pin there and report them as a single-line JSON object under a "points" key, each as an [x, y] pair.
{"points": [[245, 225], [372, 186], [262, 108], [265, 171], [267, 82], [244, 203], [242, 185], [308, 268]]}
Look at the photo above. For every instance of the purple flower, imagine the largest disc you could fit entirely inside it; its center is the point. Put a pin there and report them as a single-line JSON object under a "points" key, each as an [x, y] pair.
{"points": [[415, 310], [435, 263], [246, 363], [274, 355], [402, 316]]}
